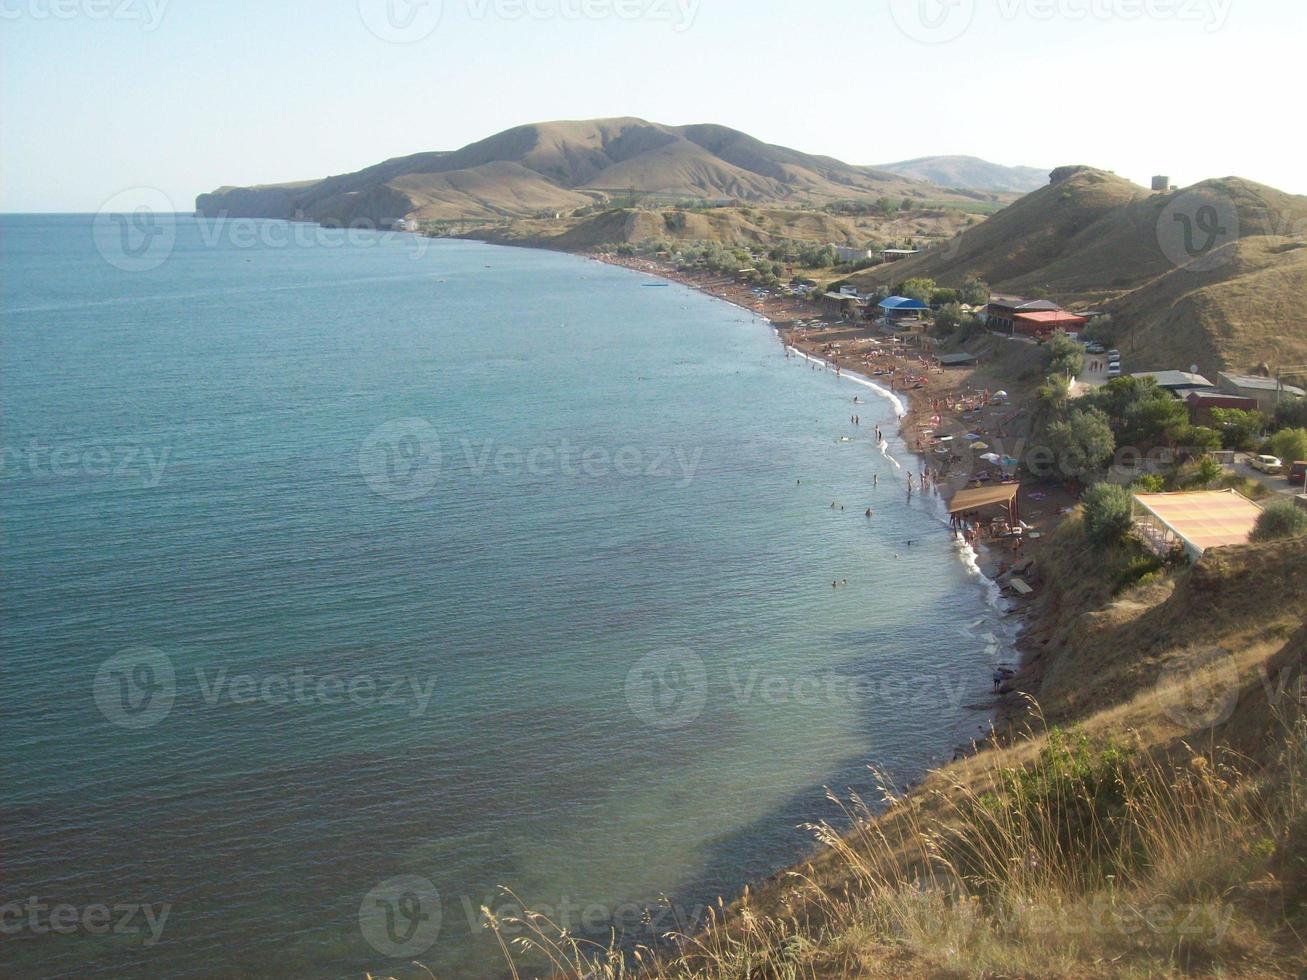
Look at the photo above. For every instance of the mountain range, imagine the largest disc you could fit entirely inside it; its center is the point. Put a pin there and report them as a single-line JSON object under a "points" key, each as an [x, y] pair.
{"points": [[562, 166], [1212, 274], [972, 173]]}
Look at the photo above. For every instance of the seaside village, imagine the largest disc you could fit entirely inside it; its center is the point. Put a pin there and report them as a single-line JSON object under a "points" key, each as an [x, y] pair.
{"points": [[1020, 408]]}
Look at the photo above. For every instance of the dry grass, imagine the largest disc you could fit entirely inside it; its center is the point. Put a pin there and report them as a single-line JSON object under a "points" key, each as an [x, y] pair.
{"points": [[1095, 858]]}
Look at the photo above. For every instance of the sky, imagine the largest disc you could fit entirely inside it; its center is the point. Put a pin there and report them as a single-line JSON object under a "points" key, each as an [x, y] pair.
{"points": [[118, 100]]}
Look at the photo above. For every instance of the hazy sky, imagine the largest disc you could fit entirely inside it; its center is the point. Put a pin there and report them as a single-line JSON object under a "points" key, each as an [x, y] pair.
{"points": [[103, 96]]}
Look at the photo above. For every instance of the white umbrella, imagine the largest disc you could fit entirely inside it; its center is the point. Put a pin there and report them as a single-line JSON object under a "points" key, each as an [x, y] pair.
{"points": [[992, 458]]}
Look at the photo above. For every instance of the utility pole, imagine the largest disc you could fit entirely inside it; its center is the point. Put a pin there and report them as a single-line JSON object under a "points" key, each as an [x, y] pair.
{"points": [[1293, 370]]}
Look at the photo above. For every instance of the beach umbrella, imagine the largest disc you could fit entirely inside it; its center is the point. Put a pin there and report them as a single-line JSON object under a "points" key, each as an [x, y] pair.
{"points": [[1000, 394], [992, 458], [979, 445]]}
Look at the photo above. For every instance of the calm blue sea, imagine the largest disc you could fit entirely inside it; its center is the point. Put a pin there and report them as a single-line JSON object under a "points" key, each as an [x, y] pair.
{"points": [[349, 579]]}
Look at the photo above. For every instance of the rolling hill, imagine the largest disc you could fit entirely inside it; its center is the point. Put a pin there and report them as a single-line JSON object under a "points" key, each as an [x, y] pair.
{"points": [[1213, 274], [970, 172], [561, 166]]}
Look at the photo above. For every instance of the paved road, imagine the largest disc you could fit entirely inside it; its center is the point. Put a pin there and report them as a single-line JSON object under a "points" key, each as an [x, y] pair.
{"points": [[1276, 484]]}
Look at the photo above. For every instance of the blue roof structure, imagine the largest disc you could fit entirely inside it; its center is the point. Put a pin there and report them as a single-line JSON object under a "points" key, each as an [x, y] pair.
{"points": [[902, 303]]}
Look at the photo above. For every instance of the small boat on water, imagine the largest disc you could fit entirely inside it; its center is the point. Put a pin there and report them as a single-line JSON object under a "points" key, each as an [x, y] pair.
{"points": [[654, 285]]}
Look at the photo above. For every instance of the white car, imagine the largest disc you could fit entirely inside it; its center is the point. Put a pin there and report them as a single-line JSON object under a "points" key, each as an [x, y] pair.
{"points": [[1270, 465], [1114, 369]]}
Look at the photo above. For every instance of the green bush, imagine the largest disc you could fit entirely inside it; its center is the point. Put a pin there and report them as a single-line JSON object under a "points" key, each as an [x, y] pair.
{"points": [[1290, 445], [1108, 513], [1282, 519], [1138, 569], [1148, 483], [1074, 793]]}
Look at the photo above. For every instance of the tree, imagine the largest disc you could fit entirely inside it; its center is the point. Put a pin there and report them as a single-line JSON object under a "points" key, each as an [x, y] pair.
{"points": [[920, 289], [1282, 519], [1291, 414], [1066, 358], [948, 318], [975, 292], [1197, 439], [1108, 513], [1082, 442], [1101, 329], [1240, 429], [1289, 444], [1207, 472]]}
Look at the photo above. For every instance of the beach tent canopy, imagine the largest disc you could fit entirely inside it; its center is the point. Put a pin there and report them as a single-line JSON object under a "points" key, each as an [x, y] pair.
{"points": [[1203, 519], [984, 497], [902, 303]]}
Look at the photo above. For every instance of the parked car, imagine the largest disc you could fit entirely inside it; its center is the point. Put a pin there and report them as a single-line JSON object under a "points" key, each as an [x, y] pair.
{"points": [[1298, 473], [1269, 465], [1114, 369], [1096, 348], [1114, 353]]}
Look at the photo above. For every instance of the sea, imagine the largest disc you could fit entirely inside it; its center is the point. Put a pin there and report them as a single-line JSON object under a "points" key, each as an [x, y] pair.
{"points": [[361, 588]]}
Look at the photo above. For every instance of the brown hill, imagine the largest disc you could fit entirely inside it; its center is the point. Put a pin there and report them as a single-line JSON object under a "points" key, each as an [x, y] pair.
{"points": [[1211, 274], [561, 166]]}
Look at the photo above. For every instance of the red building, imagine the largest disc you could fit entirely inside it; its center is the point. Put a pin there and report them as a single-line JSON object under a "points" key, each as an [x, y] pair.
{"points": [[1201, 404], [1042, 323]]}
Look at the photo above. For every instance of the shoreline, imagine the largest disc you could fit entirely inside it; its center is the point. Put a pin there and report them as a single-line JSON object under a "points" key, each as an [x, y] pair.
{"points": [[922, 412]]}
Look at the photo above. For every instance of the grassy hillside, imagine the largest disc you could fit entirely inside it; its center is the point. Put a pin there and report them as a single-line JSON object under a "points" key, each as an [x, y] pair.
{"points": [[561, 166], [1091, 238], [973, 172], [736, 226]]}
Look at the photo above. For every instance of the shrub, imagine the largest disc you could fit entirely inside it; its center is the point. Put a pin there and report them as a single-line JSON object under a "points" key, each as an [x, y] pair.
{"points": [[1289, 444], [1282, 519], [1065, 356], [1108, 513], [1148, 483], [1138, 569]]}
